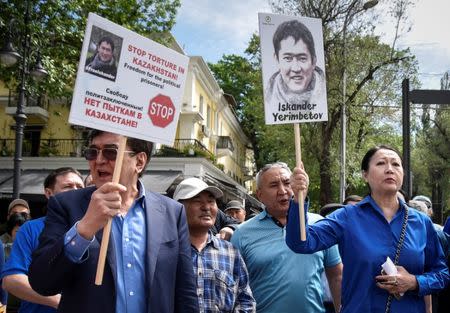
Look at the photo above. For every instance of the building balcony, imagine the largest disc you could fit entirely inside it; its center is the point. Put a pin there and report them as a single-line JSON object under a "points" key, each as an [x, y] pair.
{"points": [[186, 148], [224, 146], [36, 109]]}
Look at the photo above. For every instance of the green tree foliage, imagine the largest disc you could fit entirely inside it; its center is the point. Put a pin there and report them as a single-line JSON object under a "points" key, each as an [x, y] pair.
{"points": [[431, 158], [56, 29], [374, 73]]}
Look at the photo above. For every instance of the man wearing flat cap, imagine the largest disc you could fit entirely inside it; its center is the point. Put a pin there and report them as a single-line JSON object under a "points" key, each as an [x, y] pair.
{"points": [[235, 209], [222, 277]]}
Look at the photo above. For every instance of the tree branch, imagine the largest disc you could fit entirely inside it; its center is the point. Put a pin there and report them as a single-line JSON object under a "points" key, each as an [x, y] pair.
{"points": [[369, 76]]}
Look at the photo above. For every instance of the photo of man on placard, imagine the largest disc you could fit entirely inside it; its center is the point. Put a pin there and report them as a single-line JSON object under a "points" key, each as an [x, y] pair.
{"points": [[298, 79], [293, 68], [104, 59]]}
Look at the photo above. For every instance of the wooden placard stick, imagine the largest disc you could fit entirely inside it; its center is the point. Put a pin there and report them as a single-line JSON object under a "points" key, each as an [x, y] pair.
{"points": [[298, 160], [107, 228]]}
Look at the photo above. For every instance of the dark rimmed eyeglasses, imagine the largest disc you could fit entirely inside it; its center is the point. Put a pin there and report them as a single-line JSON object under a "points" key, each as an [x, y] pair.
{"points": [[108, 153]]}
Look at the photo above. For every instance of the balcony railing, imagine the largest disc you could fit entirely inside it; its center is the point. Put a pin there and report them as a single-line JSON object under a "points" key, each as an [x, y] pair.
{"points": [[30, 101], [185, 148], [45, 147], [74, 148]]}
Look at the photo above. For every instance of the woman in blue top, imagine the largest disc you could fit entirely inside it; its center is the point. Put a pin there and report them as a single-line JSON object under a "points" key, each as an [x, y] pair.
{"points": [[369, 232]]}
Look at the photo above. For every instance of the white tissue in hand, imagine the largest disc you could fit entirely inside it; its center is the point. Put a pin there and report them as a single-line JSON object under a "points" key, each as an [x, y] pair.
{"points": [[389, 267]]}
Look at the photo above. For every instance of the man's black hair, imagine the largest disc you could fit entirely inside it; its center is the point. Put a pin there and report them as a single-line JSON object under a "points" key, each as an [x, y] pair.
{"points": [[296, 30], [353, 198], [330, 208], [50, 180], [108, 40]]}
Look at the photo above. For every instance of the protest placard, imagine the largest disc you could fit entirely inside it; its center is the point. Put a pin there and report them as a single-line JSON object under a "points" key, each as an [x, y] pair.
{"points": [[293, 69], [128, 84]]}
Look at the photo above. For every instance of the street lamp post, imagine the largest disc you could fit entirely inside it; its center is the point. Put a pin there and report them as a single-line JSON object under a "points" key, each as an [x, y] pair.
{"points": [[8, 57], [342, 180]]}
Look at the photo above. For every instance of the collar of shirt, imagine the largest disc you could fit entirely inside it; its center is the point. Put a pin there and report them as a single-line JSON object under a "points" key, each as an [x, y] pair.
{"points": [[141, 194], [212, 240], [264, 214], [368, 202]]}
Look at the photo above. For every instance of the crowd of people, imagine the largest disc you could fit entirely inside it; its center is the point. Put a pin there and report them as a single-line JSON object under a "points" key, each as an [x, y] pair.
{"points": [[379, 253]]}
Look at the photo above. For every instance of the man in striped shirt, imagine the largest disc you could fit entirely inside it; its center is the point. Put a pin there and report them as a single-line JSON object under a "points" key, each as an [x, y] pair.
{"points": [[222, 277]]}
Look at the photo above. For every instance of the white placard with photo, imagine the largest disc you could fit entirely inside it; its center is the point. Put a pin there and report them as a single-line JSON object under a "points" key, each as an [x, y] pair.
{"points": [[128, 84], [293, 68]]}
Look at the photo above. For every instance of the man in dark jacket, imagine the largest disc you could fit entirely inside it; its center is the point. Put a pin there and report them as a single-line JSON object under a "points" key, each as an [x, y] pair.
{"points": [[148, 262]]}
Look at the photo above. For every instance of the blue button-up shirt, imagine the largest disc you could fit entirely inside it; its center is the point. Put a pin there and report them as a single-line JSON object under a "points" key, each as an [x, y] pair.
{"points": [[129, 234], [281, 281], [365, 240]]}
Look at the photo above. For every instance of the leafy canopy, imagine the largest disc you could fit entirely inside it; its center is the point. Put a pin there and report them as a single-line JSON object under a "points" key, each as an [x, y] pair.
{"points": [[56, 30]]}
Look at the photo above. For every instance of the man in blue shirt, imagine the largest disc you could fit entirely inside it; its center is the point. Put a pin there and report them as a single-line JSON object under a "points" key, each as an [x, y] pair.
{"points": [[222, 278], [148, 264], [15, 272], [281, 280]]}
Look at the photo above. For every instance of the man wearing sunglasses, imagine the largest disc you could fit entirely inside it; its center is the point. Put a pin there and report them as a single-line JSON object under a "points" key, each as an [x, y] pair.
{"points": [[148, 266]]}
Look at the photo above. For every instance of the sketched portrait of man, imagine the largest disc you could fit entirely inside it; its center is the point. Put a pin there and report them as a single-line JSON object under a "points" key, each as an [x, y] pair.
{"points": [[298, 79]]}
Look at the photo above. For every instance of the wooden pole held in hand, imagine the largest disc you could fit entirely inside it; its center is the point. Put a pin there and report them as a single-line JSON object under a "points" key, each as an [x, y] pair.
{"points": [[298, 160], [107, 228]]}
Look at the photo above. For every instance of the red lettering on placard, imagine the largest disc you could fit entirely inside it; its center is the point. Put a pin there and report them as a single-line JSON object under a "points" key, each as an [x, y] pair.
{"points": [[90, 101]]}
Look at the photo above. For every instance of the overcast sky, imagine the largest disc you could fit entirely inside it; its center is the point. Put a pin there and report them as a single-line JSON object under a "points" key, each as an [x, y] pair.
{"points": [[211, 28]]}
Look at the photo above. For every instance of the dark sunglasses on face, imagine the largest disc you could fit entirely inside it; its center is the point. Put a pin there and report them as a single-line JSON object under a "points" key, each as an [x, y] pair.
{"points": [[108, 153]]}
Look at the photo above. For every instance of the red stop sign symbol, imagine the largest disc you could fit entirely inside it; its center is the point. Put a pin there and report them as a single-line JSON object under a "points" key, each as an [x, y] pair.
{"points": [[161, 110]]}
